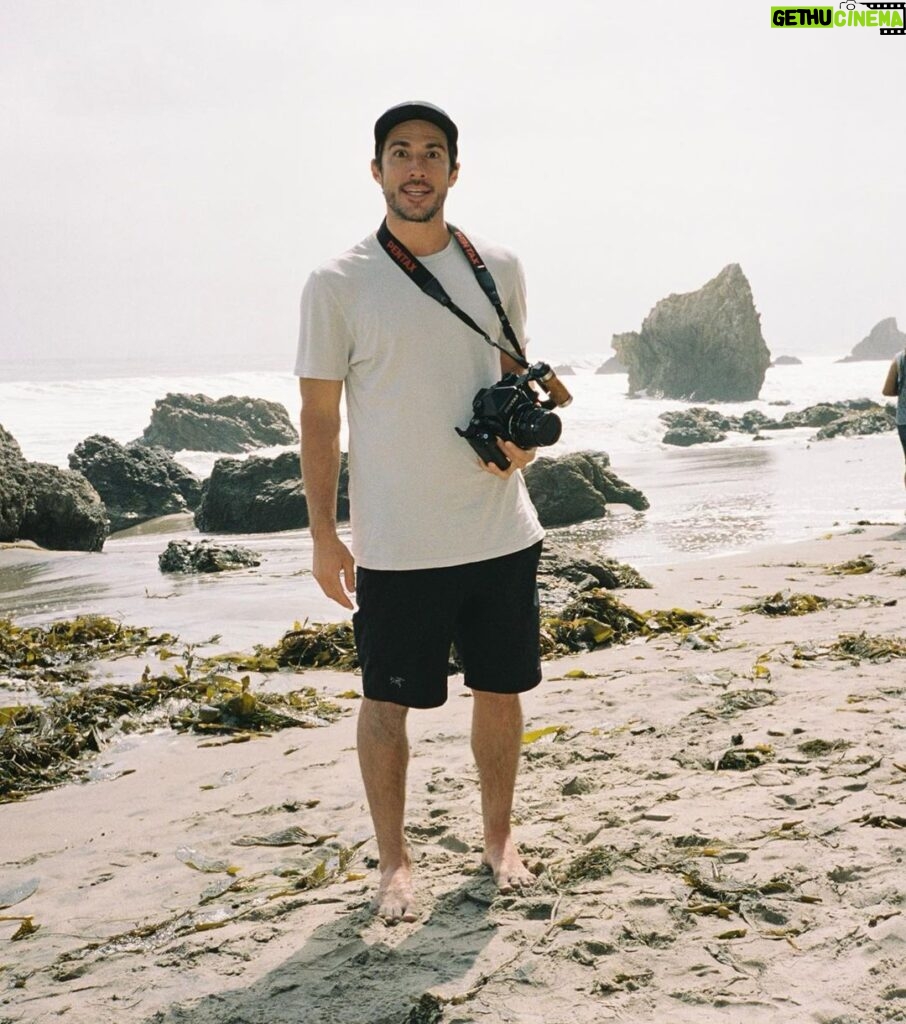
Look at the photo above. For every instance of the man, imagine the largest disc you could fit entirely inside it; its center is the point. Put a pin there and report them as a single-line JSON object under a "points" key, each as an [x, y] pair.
{"points": [[446, 547], [895, 385]]}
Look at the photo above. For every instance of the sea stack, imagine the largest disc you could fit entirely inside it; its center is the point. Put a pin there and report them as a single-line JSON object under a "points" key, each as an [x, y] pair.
{"points": [[701, 346], [884, 341]]}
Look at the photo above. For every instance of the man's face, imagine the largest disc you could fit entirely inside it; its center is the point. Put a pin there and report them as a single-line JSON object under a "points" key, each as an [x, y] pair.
{"points": [[414, 172]]}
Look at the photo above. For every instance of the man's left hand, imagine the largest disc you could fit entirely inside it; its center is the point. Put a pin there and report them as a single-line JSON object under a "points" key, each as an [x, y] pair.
{"points": [[519, 459]]}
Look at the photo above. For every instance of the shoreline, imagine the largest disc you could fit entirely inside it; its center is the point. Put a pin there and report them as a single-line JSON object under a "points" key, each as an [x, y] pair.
{"points": [[668, 888]]}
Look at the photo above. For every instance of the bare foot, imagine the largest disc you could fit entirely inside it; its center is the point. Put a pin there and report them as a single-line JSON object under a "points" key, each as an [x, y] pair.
{"points": [[510, 873], [395, 900]]}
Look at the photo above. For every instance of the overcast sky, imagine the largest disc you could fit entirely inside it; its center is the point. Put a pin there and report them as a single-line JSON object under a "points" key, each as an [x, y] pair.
{"points": [[172, 171]]}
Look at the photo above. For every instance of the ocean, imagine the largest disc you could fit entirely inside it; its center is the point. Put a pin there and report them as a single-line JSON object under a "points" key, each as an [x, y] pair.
{"points": [[706, 501]]}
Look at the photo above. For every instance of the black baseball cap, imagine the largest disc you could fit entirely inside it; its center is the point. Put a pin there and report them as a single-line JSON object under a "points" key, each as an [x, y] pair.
{"points": [[415, 110]]}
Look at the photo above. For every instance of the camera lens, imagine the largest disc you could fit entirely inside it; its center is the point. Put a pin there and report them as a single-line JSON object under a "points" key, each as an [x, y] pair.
{"points": [[535, 428]]}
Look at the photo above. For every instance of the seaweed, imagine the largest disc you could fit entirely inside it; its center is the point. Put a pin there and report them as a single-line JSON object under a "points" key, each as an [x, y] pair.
{"points": [[785, 603], [728, 895], [40, 745], [292, 836], [326, 645], [854, 567], [61, 651], [862, 647], [744, 759], [597, 619], [596, 862], [856, 647]]}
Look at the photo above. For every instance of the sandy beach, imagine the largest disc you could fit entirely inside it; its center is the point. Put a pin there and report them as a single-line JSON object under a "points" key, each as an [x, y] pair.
{"points": [[716, 824]]}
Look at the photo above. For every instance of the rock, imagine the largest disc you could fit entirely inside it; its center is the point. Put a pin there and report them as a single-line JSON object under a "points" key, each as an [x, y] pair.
{"points": [[567, 569], [231, 424], [696, 426], [136, 483], [884, 341], [752, 421], [685, 437], [564, 370], [55, 508], [787, 361], [260, 495], [704, 345], [824, 413], [699, 425], [181, 556], [575, 487], [64, 513], [13, 486], [613, 364], [872, 421]]}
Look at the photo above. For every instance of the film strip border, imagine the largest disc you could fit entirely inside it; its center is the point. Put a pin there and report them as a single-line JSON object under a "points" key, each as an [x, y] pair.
{"points": [[901, 7]]}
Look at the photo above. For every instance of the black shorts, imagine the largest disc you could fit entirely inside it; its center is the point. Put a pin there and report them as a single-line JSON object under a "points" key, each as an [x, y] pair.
{"points": [[406, 621], [901, 429]]}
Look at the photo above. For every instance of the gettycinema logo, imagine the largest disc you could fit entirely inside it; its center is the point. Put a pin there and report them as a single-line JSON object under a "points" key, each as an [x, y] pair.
{"points": [[889, 19]]}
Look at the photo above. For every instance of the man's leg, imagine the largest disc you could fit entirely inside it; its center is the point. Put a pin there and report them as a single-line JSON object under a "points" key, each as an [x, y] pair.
{"points": [[383, 757], [496, 744]]}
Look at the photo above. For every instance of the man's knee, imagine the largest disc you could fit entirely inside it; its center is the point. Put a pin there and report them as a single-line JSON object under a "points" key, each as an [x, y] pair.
{"points": [[496, 703], [383, 718]]}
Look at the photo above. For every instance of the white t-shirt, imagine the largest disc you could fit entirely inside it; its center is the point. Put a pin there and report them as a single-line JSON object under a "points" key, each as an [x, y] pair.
{"points": [[411, 369]]}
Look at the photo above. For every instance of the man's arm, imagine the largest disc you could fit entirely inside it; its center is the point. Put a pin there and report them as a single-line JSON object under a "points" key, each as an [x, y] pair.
{"points": [[890, 385], [332, 563]]}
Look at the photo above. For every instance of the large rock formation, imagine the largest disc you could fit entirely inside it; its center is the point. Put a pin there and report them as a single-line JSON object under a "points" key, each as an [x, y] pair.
{"points": [[53, 507], [202, 424], [705, 345], [136, 483], [578, 486], [260, 495], [884, 341]]}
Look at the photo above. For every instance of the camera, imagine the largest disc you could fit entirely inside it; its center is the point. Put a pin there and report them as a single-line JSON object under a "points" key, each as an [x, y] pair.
{"points": [[512, 410]]}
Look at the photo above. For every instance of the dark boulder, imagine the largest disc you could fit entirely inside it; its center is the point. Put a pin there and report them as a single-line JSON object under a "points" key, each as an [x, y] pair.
{"points": [[260, 495], [182, 556], [64, 513], [575, 487], [231, 424], [787, 361], [695, 426], [884, 341], [136, 483], [685, 437], [53, 507], [13, 487], [703, 345], [752, 421]]}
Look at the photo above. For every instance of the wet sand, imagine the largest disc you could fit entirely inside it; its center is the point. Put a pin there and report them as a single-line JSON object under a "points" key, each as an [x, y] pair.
{"points": [[717, 828]]}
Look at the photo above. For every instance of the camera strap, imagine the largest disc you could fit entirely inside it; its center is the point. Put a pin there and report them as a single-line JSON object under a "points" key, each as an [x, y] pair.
{"points": [[413, 268]]}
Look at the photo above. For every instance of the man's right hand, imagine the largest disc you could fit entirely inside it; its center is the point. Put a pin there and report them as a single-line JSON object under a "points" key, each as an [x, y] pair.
{"points": [[333, 567]]}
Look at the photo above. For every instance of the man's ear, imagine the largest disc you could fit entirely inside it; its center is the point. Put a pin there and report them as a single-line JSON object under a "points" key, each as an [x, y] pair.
{"points": [[454, 174], [376, 172]]}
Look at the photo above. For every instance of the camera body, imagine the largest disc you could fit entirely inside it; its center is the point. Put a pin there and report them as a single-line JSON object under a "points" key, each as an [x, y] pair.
{"points": [[512, 410]]}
